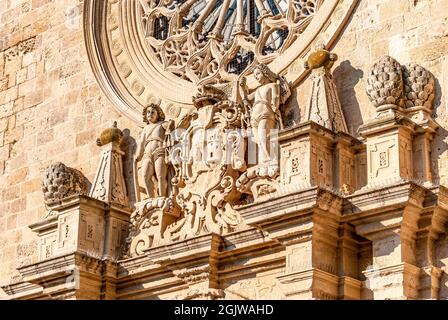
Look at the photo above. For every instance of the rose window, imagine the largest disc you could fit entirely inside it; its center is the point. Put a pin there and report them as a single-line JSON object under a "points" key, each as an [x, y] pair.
{"points": [[213, 41]]}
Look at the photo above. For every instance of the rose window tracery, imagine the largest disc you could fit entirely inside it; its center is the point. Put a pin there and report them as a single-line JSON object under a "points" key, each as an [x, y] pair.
{"points": [[212, 41], [161, 51]]}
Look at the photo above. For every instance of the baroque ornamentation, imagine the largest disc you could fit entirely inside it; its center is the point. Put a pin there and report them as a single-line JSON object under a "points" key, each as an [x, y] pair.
{"points": [[408, 89], [149, 48], [151, 151], [324, 106], [385, 84], [210, 41], [109, 185], [206, 154], [60, 182], [419, 86]]}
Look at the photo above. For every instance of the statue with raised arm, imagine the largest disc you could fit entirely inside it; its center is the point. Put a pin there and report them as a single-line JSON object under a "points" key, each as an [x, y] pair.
{"points": [[265, 110], [151, 150]]}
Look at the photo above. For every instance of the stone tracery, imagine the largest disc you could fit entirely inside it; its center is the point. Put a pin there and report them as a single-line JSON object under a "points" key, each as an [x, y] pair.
{"points": [[209, 41], [310, 200], [143, 45]]}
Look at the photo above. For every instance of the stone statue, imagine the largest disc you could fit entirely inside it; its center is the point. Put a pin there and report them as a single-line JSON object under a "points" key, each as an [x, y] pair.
{"points": [[324, 107], [151, 150], [265, 111]]}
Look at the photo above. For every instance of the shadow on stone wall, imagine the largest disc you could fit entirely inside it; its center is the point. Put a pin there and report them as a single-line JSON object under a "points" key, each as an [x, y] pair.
{"points": [[439, 146], [129, 145], [291, 111], [346, 78]]}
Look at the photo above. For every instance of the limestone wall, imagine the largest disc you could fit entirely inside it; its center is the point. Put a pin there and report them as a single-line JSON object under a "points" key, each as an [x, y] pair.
{"points": [[408, 30], [51, 108]]}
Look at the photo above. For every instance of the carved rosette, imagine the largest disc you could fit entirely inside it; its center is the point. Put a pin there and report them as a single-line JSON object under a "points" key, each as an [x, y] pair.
{"points": [[419, 86], [385, 86], [61, 182]]}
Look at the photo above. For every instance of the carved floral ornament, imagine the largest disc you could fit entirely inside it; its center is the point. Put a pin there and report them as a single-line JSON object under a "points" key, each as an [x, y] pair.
{"points": [[143, 49], [240, 60], [203, 171]]}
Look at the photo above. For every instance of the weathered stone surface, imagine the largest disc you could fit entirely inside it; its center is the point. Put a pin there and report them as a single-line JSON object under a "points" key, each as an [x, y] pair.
{"points": [[61, 182], [52, 109]]}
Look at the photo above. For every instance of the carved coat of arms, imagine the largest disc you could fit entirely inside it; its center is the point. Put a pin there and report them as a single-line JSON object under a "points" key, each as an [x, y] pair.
{"points": [[203, 171]]}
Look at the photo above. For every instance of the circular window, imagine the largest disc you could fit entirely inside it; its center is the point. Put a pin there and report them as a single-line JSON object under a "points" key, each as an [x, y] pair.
{"points": [[144, 51]]}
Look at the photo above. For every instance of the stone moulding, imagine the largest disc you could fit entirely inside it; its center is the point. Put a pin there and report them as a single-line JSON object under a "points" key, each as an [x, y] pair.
{"points": [[278, 243], [316, 228], [121, 62]]}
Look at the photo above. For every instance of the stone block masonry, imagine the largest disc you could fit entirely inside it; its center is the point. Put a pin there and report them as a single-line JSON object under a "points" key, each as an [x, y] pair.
{"points": [[50, 108]]}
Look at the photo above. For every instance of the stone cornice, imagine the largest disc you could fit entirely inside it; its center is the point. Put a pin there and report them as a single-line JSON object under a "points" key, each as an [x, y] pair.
{"points": [[294, 204], [308, 127], [366, 203], [389, 122]]}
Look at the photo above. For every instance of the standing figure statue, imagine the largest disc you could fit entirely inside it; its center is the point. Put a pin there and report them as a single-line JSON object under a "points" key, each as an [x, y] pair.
{"points": [[151, 149], [265, 113]]}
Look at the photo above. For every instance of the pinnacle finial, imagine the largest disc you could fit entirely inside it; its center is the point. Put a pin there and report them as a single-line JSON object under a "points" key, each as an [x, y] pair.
{"points": [[109, 135]]}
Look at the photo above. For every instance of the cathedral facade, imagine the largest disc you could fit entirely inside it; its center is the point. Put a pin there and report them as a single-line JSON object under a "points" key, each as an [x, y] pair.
{"points": [[223, 149]]}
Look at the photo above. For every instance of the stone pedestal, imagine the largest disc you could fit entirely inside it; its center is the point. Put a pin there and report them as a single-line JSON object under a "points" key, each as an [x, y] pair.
{"points": [[306, 223], [389, 142], [311, 155], [82, 237], [392, 229], [79, 248]]}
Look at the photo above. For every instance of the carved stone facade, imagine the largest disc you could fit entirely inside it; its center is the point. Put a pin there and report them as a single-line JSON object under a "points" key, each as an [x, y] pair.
{"points": [[234, 151]]}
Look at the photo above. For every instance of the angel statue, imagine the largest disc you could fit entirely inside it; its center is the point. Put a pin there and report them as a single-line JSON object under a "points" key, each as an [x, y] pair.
{"points": [[151, 150], [265, 110]]}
